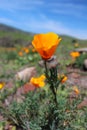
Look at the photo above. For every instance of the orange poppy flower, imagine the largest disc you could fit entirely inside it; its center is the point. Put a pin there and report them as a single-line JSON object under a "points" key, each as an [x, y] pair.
{"points": [[46, 44], [20, 53], [38, 82], [75, 89], [64, 79], [26, 50], [2, 84], [75, 54]]}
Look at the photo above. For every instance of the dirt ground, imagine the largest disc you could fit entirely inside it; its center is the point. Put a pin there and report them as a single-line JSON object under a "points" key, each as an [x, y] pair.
{"points": [[77, 77]]}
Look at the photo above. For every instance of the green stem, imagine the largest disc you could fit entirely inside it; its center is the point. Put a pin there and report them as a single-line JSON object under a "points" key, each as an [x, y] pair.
{"points": [[49, 78], [54, 93], [46, 70]]}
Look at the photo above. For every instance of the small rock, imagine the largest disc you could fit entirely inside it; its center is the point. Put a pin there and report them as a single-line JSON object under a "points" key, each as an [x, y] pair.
{"points": [[26, 74]]}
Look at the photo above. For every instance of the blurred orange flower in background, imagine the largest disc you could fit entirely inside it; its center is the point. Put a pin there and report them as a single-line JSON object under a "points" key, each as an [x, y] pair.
{"points": [[75, 54], [76, 90], [64, 79], [20, 53], [2, 84], [38, 82], [46, 44], [26, 50]]}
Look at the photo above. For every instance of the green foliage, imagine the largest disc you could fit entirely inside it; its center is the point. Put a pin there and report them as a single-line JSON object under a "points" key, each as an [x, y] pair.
{"points": [[39, 112], [80, 60], [12, 55], [2, 124], [30, 58], [16, 35]]}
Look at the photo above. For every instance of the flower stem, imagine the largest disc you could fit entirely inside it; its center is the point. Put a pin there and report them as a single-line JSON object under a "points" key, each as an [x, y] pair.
{"points": [[46, 70], [50, 80]]}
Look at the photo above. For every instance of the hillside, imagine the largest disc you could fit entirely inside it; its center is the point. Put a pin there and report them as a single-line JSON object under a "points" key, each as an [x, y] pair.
{"points": [[6, 28], [10, 36]]}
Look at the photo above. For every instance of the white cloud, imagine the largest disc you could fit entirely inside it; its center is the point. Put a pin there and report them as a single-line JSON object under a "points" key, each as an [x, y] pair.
{"points": [[67, 5], [15, 5], [11, 22], [6, 20], [47, 25], [69, 8], [67, 12]]}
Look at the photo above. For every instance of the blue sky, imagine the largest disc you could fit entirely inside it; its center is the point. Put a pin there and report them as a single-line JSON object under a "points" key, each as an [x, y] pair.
{"points": [[40, 16]]}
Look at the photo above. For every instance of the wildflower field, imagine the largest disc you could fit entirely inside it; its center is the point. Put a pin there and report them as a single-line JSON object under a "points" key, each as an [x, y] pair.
{"points": [[43, 85]]}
